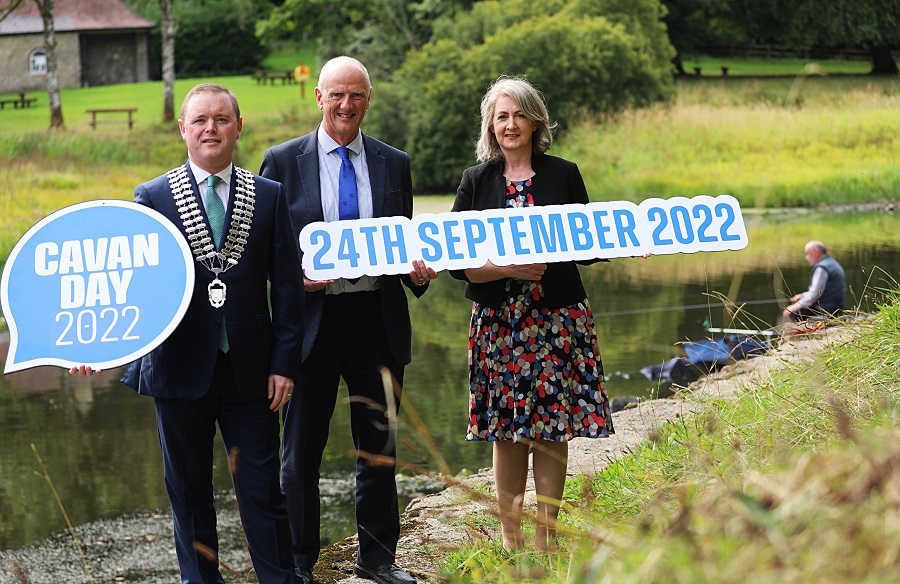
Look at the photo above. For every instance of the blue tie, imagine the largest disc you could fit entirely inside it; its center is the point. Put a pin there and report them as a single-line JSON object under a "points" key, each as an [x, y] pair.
{"points": [[215, 211], [348, 205]]}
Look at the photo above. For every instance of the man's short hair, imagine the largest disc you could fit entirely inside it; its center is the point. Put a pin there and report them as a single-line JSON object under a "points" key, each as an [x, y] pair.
{"points": [[210, 88]]}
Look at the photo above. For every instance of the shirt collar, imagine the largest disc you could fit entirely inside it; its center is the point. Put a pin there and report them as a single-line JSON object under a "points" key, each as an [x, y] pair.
{"points": [[329, 145], [201, 175]]}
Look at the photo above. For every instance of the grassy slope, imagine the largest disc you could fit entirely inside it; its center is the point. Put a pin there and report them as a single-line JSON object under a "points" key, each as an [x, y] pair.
{"points": [[798, 480], [835, 142]]}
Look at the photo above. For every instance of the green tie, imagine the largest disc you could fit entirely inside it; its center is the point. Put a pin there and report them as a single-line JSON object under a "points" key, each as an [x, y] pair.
{"points": [[215, 211]]}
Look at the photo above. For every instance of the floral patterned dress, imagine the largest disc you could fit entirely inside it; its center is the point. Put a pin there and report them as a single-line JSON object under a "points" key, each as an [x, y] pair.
{"points": [[534, 374]]}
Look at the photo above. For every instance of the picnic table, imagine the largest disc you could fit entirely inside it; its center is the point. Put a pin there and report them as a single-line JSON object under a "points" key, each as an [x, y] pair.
{"points": [[17, 102], [264, 75], [115, 110]]}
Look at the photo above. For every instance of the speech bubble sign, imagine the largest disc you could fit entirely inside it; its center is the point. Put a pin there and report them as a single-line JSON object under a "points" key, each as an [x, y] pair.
{"points": [[100, 283], [553, 233]]}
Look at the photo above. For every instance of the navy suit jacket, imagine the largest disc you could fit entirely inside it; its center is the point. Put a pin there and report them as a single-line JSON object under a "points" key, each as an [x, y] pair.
{"points": [[260, 344], [296, 165]]}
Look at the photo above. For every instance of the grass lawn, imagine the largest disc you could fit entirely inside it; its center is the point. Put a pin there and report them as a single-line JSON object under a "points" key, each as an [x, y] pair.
{"points": [[712, 66], [290, 55]]}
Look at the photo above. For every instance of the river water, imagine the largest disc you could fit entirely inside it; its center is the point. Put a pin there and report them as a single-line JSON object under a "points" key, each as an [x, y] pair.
{"points": [[98, 439]]}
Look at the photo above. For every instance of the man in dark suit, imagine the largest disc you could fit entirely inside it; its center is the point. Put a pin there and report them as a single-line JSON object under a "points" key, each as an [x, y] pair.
{"points": [[228, 361], [353, 327]]}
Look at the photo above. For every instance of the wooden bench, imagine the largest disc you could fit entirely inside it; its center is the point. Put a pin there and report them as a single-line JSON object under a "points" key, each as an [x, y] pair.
{"points": [[263, 75], [116, 110], [17, 102]]}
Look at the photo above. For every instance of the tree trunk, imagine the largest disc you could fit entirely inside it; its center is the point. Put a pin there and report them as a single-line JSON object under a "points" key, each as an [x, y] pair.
{"points": [[168, 59], [883, 62], [56, 117]]}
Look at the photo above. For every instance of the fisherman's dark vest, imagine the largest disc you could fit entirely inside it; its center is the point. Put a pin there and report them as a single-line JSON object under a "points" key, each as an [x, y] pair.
{"points": [[832, 301]]}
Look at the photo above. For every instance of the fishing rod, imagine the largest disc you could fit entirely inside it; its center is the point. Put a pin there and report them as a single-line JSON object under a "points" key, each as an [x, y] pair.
{"points": [[688, 307]]}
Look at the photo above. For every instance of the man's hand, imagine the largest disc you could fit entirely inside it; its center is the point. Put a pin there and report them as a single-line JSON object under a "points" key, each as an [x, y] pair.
{"points": [[314, 285], [280, 390], [421, 274], [83, 371]]}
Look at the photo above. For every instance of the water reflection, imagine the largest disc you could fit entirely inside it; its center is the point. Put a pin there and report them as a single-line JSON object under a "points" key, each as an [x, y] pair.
{"points": [[98, 439]]}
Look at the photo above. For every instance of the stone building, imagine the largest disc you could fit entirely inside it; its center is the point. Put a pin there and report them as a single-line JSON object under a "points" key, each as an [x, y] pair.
{"points": [[99, 42]]}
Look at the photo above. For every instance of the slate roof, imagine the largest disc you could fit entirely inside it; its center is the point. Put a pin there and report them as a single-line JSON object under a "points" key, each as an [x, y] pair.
{"points": [[76, 15]]}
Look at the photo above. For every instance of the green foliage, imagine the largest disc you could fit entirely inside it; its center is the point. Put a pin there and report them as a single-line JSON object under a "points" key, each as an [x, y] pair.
{"points": [[216, 37], [691, 24], [590, 58], [377, 33], [873, 25], [808, 23], [212, 37]]}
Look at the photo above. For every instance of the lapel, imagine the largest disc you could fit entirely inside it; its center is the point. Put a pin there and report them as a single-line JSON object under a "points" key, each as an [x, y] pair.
{"points": [[232, 187], [308, 168], [195, 190], [498, 188], [377, 173]]}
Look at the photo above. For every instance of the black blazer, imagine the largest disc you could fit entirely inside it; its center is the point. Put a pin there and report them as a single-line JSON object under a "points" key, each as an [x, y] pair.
{"points": [[555, 182], [296, 165], [259, 344]]}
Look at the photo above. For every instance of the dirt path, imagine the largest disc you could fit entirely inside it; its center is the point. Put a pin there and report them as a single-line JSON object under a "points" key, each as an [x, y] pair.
{"points": [[429, 525]]}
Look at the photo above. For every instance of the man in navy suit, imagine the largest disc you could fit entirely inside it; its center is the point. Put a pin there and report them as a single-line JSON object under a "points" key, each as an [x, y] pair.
{"points": [[228, 361], [354, 328]]}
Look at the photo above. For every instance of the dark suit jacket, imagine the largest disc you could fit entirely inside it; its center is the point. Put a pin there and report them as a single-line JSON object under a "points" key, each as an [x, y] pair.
{"points": [[555, 182], [296, 165], [260, 344]]}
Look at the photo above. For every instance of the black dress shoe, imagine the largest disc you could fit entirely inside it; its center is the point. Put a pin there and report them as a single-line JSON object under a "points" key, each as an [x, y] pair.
{"points": [[384, 574], [303, 575]]}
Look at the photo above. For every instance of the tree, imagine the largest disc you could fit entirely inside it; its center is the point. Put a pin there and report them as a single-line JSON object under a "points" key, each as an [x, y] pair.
{"points": [[804, 24], [45, 7], [377, 32], [217, 37], [167, 24], [201, 38], [330, 21], [589, 58], [693, 24]]}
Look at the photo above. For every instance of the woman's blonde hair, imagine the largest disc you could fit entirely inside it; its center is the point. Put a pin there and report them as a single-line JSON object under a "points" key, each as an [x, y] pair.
{"points": [[532, 103]]}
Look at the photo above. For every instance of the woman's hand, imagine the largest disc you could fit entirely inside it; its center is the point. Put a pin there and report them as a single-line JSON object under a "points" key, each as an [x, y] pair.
{"points": [[526, 271], [490, 272]]}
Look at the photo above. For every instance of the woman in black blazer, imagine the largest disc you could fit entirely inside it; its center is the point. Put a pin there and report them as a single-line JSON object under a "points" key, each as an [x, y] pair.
{"points": [[535, 375]]}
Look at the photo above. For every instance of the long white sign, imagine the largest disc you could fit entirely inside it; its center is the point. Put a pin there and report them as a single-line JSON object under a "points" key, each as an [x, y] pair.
{"points": [[349, 249]]}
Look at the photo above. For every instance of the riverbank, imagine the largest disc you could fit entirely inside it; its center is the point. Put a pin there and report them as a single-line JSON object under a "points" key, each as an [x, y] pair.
{"points": [[138, 547], [437, 524]]}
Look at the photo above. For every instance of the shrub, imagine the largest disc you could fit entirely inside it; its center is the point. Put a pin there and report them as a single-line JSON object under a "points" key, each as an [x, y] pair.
{"points": [[585, 63]]}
